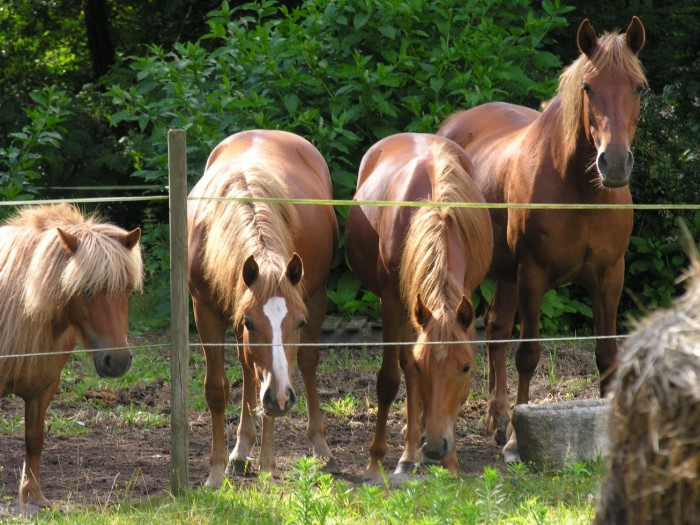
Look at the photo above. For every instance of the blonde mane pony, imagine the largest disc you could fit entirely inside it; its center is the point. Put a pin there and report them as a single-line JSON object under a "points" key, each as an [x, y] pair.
{"points": [[424, 265], [38, 276], [237, 230], [611, 52]]}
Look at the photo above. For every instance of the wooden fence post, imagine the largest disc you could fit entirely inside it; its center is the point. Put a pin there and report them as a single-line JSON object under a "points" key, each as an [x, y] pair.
{"points": [[179, 313]]}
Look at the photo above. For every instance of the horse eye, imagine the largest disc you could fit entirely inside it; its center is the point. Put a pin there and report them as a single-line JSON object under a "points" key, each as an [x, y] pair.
{"points": [[587, 88], [640, 89], [248, 324], [417, 367], [301, 324], [465, 369]]}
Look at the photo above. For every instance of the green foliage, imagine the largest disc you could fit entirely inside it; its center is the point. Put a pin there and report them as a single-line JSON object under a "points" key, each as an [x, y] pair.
{"points": [[342, 74], [22, 162]]}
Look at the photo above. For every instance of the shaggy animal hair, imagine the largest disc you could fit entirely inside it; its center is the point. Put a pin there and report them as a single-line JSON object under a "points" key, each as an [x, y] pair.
{"points": [[237, 230], [612, 52], [424, 264], [653, 472], [38, 276]]}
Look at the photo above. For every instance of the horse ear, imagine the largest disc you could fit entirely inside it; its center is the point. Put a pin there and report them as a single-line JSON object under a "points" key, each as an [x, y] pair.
{"points": [[130, 239], [586, 39], [635, 35], [295, 269], [420, 313], [465, 313], [68, 240], [250, 271]]}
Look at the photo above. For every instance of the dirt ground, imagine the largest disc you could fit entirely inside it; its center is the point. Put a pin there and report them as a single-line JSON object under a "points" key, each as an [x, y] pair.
{"points": [[113, 462]]}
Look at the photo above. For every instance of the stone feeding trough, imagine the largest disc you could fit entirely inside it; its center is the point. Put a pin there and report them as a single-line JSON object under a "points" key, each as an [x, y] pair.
{"points": [[553, 435]]}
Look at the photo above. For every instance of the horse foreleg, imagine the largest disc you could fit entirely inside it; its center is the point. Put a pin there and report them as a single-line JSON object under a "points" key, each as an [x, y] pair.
{"points": [[266, 459], [411, 454], [34, 414], [532, 285], [606, 299], [239, 461], [212, 328], [307, 358], [499, 326], [388, 381]]}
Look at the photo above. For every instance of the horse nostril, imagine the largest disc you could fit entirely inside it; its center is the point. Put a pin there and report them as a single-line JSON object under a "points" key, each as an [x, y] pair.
{"points": [[423, 441], [268, 400], [292, 398], [107, 363], [602, 164]]}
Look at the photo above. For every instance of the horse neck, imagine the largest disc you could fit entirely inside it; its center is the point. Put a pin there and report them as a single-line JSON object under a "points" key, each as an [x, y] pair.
{"points": [[570, 161]]}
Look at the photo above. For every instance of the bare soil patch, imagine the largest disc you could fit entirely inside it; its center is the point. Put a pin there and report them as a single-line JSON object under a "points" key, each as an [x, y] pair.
{"points": [[113, 462]]}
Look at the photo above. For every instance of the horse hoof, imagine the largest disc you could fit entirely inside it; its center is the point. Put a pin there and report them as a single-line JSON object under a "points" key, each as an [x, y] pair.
{"points": [[331, 466], [511, 454], [240, 467], [405, 467]]}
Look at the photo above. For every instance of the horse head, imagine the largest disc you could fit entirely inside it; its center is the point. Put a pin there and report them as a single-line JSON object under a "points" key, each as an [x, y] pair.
{"points": [[611, 84], [101, 316], [443, 370], [272, 324]]}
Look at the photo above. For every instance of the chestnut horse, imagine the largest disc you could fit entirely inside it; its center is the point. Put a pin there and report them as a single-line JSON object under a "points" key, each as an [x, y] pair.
{"points": [[62, 276], [424, 264], [577, 151], [246, 270]]}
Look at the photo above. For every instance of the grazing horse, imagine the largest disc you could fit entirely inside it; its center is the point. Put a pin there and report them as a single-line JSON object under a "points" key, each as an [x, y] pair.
{"points": [[62, 276], [424, 264], [246, 270], [577, 151]]}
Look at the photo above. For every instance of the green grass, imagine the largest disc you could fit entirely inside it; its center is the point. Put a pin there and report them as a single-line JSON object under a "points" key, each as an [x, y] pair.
{"points": [[309, 496]]}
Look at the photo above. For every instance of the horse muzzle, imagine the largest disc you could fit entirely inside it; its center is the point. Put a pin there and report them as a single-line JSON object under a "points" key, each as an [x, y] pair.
{"points": [[615, 167], [280, 405], [112, 364], [435, 449]]}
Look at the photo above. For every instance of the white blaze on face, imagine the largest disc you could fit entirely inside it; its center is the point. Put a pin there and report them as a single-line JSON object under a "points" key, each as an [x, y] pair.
{"points": [[276, 309]]}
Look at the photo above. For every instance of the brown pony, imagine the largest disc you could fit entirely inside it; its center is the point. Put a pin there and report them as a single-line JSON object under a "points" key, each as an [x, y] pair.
{"points": [[576, 151], [245, 269], [424, 264], [62, 276]]}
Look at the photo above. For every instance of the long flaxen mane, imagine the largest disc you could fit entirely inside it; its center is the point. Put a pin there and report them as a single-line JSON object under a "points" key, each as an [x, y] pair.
{"points": [[38, 276], [424, 264], [612, 52], [237, 230]]}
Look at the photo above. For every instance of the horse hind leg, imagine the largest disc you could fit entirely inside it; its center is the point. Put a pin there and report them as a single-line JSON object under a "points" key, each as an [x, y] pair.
{"points": [[499, 326], [605, 300], [34, 414]]}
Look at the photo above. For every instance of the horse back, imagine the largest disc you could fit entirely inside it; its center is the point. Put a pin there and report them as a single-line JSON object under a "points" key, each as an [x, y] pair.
{"points": [[306, 176], [397, 168]]}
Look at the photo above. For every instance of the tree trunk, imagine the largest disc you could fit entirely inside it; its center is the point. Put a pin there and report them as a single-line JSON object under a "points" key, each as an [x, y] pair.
{"points": [[98, 35]]}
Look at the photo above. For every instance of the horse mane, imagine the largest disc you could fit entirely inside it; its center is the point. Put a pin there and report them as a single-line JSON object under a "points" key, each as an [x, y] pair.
{"points": [[424, 264], [238, 230], [38, 276], [611, 51]]}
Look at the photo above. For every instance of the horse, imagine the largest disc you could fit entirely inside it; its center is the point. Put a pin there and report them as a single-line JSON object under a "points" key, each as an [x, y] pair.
{"points": [[63, 276], [262, 268], [424, 264], [577, 151]]}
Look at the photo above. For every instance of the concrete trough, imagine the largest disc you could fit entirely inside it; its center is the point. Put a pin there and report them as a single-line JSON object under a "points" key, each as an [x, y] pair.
{"points": [[552, 435]]}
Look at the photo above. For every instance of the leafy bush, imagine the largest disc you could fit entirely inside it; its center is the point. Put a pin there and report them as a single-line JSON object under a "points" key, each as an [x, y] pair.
{"points": [[343, 74], [24, 161]]}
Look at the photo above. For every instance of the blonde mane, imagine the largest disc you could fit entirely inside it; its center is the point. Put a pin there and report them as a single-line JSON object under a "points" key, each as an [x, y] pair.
{"points": [[424, 264], [612, 52], [38, 276], [237, 230]]}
